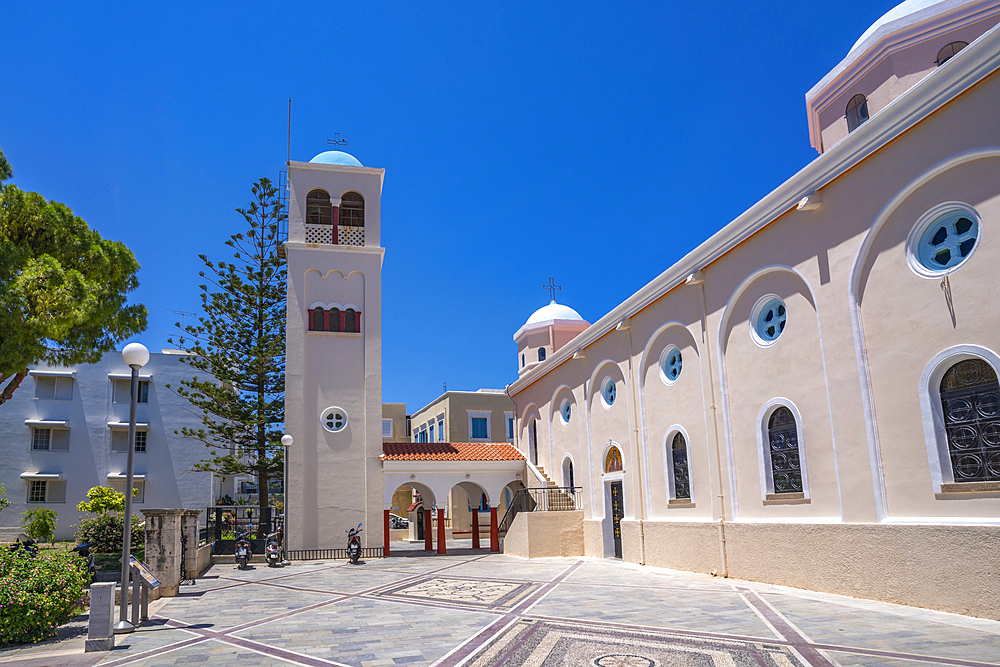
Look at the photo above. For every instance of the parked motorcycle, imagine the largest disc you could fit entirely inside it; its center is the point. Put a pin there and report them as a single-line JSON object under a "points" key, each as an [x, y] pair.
{"points": [[84, 550], [354, 544], [272, 549], [243, 549]]}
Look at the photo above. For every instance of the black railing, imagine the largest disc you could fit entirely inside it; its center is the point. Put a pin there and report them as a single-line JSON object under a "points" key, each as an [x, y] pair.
{"points": [[543, 499], [334, 554], [225, 522]]}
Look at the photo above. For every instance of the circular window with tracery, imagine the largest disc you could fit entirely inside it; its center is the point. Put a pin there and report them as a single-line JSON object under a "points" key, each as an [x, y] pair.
{"points": [[334, 419], [943, 239], [566, 410], [768, 319], [608, 392], [671, 364]]}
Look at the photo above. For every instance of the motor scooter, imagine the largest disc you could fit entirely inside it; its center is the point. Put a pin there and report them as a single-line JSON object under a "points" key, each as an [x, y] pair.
{"points": [[243, 548], [84, 550], [272, 548], [354, 544]]}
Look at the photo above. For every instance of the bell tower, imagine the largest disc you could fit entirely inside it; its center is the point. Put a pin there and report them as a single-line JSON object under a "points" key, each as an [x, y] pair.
{"points": [[333, 367]]}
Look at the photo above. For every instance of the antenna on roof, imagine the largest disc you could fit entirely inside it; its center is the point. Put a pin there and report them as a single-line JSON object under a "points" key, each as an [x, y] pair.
{"points": [[552, 288], [182, 313], [289, 156], [337, 141], [444, 385]]}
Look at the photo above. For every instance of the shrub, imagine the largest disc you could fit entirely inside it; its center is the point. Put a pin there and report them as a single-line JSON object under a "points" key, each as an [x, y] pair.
{"points": [[105, 532], [4, 503], [37, 594], [103, 499], [40, 524]]}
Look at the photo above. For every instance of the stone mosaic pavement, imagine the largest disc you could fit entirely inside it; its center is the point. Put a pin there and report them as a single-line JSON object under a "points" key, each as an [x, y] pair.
{"points": [[477, 609]]}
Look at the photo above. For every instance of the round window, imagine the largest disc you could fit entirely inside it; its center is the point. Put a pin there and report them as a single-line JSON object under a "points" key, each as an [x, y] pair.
{"points": [[333, 419], [768, 320], [943, 239], [608, 392], [671, 364], [566, 410]]}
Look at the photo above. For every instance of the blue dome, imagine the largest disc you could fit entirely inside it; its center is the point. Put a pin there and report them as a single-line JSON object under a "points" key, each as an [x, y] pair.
{"points": [[337, 157]]}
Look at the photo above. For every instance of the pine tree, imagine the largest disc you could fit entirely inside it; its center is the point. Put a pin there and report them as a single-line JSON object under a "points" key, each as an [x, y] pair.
{"points": [[240, 342]]}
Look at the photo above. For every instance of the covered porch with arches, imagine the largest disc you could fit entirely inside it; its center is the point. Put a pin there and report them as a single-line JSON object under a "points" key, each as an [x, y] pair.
{"points": [[451, 483]]}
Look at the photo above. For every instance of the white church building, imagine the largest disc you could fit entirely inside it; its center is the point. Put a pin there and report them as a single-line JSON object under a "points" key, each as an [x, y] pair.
{"points": [[808, 398]]}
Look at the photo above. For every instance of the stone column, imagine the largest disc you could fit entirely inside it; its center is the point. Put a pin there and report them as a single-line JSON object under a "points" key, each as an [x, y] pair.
{"points": [[189, 535], [442, 550], [163, 548]]}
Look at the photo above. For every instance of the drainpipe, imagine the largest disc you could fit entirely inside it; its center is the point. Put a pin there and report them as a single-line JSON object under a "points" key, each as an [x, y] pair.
{"points": [[640, 493], [698, 278]]}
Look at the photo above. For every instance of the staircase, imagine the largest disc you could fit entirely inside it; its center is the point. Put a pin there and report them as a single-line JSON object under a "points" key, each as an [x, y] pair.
{"points": [[556, 500]]}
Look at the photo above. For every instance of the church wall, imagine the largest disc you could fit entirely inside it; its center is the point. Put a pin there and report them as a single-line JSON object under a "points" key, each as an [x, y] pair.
{"points": [[936, 567], [841, 536], [893, 299], [670, 407]]}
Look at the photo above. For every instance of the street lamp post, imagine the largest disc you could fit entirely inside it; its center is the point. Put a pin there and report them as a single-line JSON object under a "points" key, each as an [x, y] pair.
{"points": [[136, 356], [286, 440]]}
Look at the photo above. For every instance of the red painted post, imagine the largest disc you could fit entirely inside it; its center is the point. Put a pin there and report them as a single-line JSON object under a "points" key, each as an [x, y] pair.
{"points": [[441, 547], [494, 532], [385, 531], [428, 531], [336, 224], [475, 529]]}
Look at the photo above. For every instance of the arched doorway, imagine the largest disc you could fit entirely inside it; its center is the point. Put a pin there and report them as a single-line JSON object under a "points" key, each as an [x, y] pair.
{"points": [[468, 513], [407, 512], [613, 475]]}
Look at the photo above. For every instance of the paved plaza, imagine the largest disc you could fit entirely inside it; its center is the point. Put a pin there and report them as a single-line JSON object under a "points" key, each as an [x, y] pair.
{"points": [[479, 609]]}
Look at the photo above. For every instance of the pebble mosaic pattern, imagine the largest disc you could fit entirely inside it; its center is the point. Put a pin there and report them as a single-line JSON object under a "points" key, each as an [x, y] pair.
{"points": [[475, 609]]}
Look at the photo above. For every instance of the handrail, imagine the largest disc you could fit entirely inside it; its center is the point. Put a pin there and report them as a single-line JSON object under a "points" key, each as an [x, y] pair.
{"points": [[537, 473], [547, 499]]}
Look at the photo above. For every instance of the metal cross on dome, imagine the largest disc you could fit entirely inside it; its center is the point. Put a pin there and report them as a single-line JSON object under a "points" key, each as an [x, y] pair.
{"points": [[338, 141], [552, 288]]}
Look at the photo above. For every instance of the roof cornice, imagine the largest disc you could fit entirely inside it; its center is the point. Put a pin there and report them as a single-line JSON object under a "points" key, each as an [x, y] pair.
{"points": [[919, 102]]}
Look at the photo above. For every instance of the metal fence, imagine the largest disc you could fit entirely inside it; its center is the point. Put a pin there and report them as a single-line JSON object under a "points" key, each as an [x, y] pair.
{"points": [[542, 499], [334, 554], [225, 522]]}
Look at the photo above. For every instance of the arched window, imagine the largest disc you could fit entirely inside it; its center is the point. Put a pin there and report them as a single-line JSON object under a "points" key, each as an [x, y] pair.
{"points": [[613, 460], [679, 461], [857, 112], [949, 52], [568, 480], [319, 211], [541, 354], [970, 400], [350, 321], [334, 319], [352, 210], [783, 444], [317, 323]]}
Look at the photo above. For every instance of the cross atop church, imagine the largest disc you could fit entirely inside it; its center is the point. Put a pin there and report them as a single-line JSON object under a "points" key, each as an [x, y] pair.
{"points": [[337, 141], [552, 288]]}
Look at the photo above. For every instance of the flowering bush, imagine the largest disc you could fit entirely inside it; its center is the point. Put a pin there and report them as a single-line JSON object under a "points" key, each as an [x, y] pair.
{"points": [[37, 594], [105, 532]]}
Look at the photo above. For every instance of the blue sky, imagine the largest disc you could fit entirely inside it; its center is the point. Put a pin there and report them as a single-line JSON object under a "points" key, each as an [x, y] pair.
{"points": [[520, 141]]}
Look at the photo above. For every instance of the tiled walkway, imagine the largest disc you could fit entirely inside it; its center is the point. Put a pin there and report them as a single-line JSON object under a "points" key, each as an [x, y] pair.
{"points": [[477, 609]]}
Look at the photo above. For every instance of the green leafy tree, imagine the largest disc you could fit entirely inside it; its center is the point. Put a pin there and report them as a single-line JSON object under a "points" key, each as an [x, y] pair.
{"points": [[62, 287], [40, 524], [4, 503], [240, 341], [104, 499]]}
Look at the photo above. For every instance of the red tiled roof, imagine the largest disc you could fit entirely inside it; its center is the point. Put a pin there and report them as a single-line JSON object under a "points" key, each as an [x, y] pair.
{"points": [[450, 451]]}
